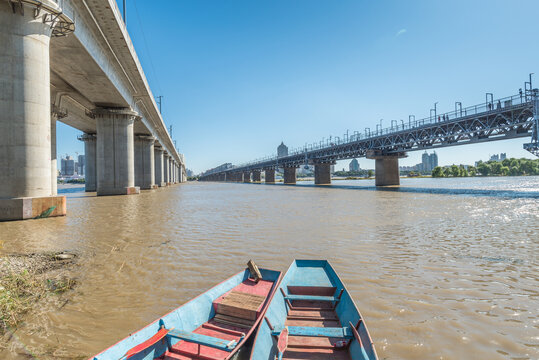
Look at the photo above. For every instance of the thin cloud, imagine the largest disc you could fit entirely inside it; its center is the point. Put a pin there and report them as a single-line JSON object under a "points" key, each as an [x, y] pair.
{"points": [[400, 32]]}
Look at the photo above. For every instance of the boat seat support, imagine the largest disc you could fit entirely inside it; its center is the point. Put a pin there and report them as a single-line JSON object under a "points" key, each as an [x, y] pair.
{"points": [[226, 345], [312, 331]]}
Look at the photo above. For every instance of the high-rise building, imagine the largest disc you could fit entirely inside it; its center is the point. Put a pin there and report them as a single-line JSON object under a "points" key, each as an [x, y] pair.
{"points": [[425, 162], [282, 150], [433, 158], [354, 165], [68, 166], [80, 169]]}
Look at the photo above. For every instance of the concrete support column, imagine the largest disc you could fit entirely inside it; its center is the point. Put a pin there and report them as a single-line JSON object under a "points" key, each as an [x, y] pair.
{"points": [[257, 176], [90, 166], [269, 175], [322, 174], [144, 162], [290, 175], [115, 152], [25, 114], [166, 168], [158, 163], [54, 160], [247, 177], [386, 168], [387, 171]]}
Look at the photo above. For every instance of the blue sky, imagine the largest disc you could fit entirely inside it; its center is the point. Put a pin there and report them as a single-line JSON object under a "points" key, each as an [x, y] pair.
{"points": [[239, 77]]}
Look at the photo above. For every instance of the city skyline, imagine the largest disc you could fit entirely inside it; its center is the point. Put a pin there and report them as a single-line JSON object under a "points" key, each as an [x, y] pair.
{"points": [[255, 84]]}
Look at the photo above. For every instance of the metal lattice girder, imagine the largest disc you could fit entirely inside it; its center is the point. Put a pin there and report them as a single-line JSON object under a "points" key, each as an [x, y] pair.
{"points": [[507, 122]]}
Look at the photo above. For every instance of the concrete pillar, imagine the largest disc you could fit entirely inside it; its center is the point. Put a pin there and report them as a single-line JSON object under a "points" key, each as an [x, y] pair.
{"points": [[322, 174], [25, 114], [386, 168], [290, 175], [115, 152], [247, 177], [166, 168], [269, 175], [90, 166], [256, 176], [387, 171], [158, 163], [54, 160], [144, 162]]}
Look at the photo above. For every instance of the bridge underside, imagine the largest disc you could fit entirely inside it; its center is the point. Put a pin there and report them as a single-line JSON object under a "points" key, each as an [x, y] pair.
{"points": [[91, 80]]}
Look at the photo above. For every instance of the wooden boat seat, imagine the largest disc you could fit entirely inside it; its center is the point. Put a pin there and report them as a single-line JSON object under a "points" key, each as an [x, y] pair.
{"points": [[239, 309], [226, 345], [332, 332]]}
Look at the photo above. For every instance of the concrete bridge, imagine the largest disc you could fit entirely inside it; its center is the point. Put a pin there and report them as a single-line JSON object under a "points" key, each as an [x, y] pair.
{"points": [[512, 117], [73, 61]]}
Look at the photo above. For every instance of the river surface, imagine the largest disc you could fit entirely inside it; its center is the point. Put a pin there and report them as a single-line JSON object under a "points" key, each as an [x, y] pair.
{"points": [[440, 269]]}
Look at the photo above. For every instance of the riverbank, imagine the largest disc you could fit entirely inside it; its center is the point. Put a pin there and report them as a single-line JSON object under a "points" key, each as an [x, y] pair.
{"points": [[28, 281]]}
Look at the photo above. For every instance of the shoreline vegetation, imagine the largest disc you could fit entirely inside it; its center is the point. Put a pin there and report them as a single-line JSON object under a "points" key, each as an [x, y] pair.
{"points": [[506, 167], [28, 280]]}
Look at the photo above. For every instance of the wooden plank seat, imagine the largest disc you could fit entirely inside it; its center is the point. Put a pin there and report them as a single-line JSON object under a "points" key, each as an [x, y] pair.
{"points": [[239, 309], [332, 332], [226, 345]]}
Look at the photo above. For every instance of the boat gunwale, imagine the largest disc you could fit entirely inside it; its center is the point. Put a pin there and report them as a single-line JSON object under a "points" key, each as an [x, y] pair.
{"points": [[344, 287], [275, 285]]}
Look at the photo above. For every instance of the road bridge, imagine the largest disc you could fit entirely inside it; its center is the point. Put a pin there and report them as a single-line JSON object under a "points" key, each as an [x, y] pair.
{"points": [[73, 61], [506, 118]]}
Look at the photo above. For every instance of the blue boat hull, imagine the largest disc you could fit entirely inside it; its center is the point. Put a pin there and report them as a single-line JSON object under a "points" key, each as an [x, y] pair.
{"points": [[191, 327], [312, 316]]}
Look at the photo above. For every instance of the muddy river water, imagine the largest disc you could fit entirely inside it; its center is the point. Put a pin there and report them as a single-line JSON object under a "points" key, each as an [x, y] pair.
{"points": [[441, 269]]}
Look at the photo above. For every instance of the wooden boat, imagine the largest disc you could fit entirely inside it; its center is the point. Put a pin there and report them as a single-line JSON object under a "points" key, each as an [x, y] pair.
{"points": [[312, 316], [212, 326]]}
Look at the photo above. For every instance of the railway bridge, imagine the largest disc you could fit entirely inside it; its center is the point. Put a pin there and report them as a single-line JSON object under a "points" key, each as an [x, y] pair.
{"points": [[496, 119]]}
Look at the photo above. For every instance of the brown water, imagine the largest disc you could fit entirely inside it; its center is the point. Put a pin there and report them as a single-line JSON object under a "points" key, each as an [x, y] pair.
{"points": [[438, 272]]}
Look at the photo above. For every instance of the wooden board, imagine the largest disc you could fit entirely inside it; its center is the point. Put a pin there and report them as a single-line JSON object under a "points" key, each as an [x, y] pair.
{"points": [[240, 305], [253, 269]]}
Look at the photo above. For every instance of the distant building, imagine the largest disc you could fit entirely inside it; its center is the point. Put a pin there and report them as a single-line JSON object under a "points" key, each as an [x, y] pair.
{"points": [[497, 157], [354, 165], [433, 158], [428, 162], [68, 166], [282, 150], [80, 168], [189, 172]]}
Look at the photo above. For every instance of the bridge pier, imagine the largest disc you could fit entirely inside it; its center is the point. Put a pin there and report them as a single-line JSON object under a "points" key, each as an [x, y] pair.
{"points": [[115, 152], [26, 188], [257, 177], [322, 173], [158, 163], [144, 162], [166, 168], [290, 174], [386, 172], [90, 166], [269, 176], [247, 177]]}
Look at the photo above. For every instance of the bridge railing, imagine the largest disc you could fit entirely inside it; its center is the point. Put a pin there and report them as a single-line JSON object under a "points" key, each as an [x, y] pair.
{"points": [[490, 104]]}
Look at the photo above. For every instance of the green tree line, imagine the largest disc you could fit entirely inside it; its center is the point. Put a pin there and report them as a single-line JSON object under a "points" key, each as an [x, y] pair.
{"points": [[507, 167]]}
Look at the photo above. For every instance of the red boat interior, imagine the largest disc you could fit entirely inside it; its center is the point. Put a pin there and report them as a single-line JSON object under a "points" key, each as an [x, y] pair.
{"points": [[235, 313], [321, 314]]}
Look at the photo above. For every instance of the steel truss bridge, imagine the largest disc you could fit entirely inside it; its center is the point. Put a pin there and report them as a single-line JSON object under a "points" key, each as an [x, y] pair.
{"points": [[506, 118]]}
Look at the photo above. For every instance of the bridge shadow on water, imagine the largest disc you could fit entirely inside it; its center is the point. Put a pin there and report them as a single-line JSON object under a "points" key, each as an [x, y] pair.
{"points": [[497, 193]]}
